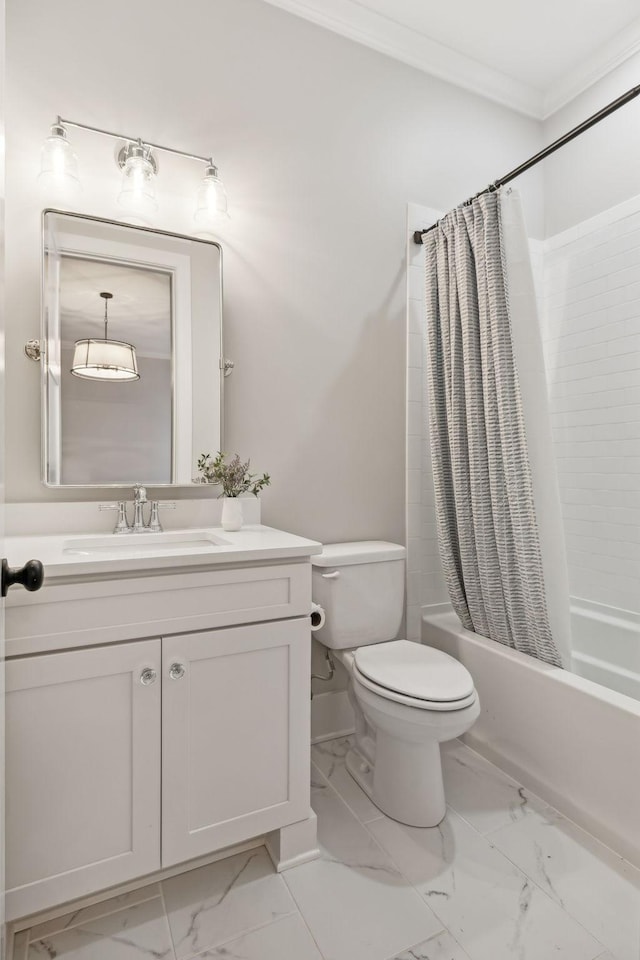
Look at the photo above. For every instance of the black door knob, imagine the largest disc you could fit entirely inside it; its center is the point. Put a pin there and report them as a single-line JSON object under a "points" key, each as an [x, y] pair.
{"points": [[31, 576]]}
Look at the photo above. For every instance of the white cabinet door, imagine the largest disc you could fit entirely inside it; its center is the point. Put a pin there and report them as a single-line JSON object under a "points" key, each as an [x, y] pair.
{"points": [[83, 772], [235, 735]]}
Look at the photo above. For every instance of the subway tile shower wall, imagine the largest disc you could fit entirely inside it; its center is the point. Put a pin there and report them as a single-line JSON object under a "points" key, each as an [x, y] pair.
{"points": [[590, 299]]}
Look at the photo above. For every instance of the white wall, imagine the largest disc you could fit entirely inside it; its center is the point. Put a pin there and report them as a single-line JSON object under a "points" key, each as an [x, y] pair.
{"points": [[591, 335], [425, 579], [601, 168], [321, 143]]}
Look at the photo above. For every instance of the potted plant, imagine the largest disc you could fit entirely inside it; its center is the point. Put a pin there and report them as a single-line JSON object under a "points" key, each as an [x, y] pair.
{"points": [[235, 479]]}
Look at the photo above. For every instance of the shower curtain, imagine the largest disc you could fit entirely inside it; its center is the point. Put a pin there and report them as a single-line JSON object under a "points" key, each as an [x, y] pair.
{"points": [[497, 502]]}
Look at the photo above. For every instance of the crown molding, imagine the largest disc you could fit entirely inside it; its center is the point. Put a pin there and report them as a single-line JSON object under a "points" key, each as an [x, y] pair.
{"points": [[611, 54], [356, 22], [351, 20]]}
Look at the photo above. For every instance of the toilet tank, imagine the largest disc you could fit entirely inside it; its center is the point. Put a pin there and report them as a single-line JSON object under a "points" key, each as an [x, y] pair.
{"points": [[360, 585]]}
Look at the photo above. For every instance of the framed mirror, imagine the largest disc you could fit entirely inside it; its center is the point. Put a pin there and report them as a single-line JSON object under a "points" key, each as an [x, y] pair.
{"points": [[132, 353]]}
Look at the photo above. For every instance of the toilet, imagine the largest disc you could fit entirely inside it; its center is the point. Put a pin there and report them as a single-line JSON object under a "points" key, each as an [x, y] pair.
{"points": [[408, 698]]}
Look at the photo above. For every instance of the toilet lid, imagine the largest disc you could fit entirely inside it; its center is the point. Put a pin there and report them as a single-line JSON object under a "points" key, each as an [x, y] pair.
{"points": [[414, 670]]}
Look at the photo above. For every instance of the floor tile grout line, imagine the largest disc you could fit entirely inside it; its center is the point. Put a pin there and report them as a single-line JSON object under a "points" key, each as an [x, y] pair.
{"points": [[166, 916], [552, 898], [561, 816], [304, 921], [239, 934], [522, 872], [80, 923], [244, 933], [406, 880], [383, 851], [252, 853], [445, 931], [542, 802], [329, 784], [427, 940], [386, 853], [374, 838], [505, 776], [487, 835], [547, 895], [299, 909]]}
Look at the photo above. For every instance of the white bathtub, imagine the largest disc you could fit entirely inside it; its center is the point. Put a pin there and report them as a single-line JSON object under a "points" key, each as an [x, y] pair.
{"points": [[572, 741], [606, 646]]}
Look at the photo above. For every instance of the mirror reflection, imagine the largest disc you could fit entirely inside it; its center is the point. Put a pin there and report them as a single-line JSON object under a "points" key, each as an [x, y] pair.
{"points": [[132, 331]]}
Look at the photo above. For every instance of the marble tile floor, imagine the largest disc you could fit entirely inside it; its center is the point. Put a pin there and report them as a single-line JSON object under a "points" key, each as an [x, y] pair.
{"points": [[503, 877]]}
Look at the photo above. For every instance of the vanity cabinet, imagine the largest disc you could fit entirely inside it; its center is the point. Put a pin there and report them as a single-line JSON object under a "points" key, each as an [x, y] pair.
{"points": [[231, 738], [128, 757], [82, 772]]}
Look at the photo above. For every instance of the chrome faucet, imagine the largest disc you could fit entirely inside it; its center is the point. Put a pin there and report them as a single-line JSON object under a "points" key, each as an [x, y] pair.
{"points": [[139, 500]]}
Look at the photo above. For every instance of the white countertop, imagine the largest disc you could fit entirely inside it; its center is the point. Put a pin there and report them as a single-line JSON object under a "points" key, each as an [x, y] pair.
{"points": [[73, 555]]}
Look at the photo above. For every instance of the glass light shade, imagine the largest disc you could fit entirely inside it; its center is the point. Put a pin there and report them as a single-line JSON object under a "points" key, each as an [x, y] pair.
{"points": [[211, 200], [138, 195], [59, 164], [104, 360]]}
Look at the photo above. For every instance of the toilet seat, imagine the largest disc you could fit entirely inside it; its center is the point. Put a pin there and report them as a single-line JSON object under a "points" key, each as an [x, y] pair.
{"points": [[414, 675]]}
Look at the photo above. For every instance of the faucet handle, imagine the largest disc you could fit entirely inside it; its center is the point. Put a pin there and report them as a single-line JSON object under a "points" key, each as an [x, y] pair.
{"points": [[122, 523], [154, 520]]}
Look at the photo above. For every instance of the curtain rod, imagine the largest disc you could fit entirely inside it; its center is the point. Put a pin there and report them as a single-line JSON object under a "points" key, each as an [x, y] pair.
{"points": [[560, 142]]}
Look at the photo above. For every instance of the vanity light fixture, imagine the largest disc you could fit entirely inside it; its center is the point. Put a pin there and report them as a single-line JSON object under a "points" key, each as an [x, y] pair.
{"points": [[138, 195], [59, 166], [211, 199], [105, 359], [138, 162]]}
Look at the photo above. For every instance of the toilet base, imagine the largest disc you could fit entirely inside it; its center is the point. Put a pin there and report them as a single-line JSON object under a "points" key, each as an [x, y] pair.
{"points": [[404, 781]]}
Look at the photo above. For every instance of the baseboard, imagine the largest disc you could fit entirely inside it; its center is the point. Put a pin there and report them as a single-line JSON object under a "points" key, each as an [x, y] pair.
{"points": [[282, 865], [619, 844], [331, 716]]}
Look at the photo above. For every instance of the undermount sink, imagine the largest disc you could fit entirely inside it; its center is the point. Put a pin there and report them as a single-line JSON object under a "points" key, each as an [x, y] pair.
{"points": [[156, 543]]}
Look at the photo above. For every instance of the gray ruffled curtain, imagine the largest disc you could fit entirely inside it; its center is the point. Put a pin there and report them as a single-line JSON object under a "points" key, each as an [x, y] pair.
{"points": [[486, 518]]}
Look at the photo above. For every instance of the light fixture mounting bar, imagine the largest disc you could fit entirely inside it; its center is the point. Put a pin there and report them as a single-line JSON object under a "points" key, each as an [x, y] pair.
{"points": [[147, 143]]}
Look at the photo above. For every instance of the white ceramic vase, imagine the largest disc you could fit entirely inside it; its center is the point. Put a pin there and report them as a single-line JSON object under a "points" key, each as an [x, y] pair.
{"points": [[231, 513]]}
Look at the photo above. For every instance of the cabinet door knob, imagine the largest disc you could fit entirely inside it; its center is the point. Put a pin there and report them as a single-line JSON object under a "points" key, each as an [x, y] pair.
{"points": [[331, 576], [176, 671], [148, 676], [31, 576]]}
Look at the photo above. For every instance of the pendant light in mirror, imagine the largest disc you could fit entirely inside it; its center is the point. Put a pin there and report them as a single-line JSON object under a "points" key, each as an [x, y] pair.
{"points": [[105, 359]]}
